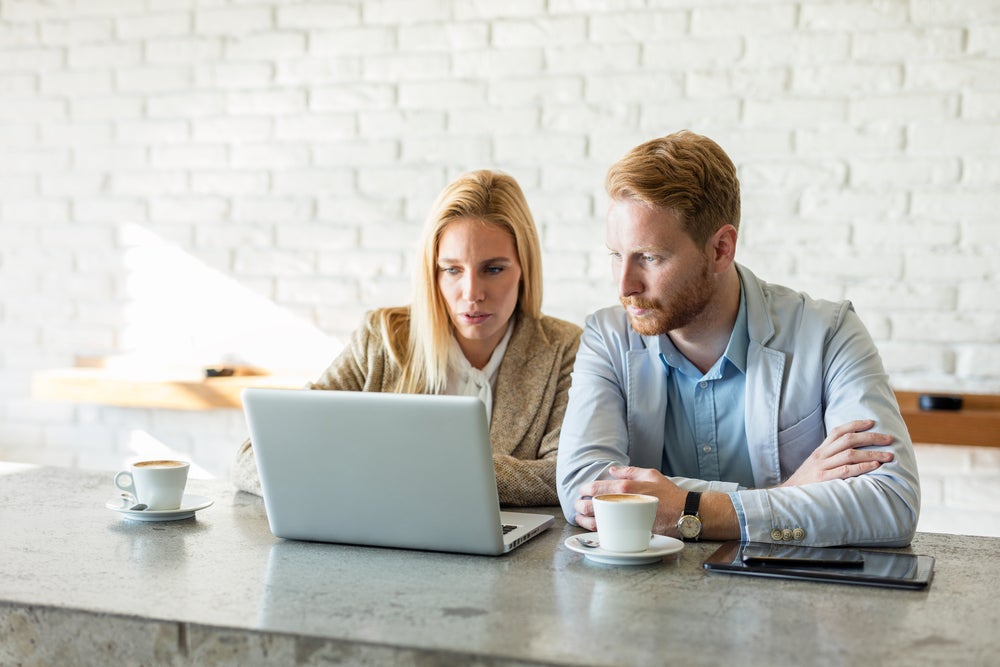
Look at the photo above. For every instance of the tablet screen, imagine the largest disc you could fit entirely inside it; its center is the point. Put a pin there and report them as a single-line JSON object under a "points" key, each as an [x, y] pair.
{"points": [[880, 568]]}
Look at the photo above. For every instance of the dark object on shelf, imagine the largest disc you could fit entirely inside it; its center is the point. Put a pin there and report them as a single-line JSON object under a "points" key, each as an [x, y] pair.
{"points": [[938, 402], [222, 372]]}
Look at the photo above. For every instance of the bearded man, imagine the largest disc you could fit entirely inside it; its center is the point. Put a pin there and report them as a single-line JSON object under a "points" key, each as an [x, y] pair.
{"points": [[751, 410]]}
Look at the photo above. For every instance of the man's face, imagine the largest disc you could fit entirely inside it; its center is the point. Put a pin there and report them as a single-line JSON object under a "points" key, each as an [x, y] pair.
{"points": [[664, 280]]}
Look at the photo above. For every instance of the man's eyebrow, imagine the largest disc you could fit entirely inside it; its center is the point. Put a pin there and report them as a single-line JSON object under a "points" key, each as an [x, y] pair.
{"points": [[641, 250]]}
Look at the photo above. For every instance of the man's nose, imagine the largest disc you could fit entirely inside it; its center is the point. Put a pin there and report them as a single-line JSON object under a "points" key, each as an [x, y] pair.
{"points": [[629, 282]]}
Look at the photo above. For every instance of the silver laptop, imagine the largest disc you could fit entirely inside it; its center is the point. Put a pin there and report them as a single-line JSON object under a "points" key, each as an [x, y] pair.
{"points": [[388, 470]]}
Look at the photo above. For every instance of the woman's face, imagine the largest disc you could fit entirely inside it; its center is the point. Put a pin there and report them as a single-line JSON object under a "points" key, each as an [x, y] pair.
{"points": [[479, 277]]}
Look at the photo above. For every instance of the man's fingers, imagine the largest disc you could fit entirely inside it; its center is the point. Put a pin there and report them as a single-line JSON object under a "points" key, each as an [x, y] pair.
{"points": [[634, 473], [603, 486], [854, 469], [623, 472], [859, 456], [855, 426], [852, 440]]}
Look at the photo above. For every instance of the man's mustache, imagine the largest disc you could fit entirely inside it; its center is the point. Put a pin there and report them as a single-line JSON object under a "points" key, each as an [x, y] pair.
{"points": [[639, 302]]}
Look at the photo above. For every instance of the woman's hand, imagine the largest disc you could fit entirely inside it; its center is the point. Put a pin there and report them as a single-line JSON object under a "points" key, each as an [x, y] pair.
{"points": [[839, 456]]}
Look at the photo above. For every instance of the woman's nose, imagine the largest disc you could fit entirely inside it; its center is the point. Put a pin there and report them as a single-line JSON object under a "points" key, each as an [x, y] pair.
{"points": [[472, 290]]}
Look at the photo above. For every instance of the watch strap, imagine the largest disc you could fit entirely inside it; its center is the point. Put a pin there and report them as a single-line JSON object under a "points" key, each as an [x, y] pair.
{"points": [[691, 503]]}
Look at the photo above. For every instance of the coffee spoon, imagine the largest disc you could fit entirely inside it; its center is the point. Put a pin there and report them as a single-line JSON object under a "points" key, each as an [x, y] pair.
{"points": [[594, 544], [138, 507]]}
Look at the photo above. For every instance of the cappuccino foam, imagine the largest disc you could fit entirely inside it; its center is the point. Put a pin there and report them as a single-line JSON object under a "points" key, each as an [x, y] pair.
{"points": [[625, 498], [160, 464]]}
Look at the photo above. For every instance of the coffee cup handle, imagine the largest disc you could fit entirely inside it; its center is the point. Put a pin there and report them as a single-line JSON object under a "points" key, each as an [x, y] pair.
{"points": [[130, 486]]}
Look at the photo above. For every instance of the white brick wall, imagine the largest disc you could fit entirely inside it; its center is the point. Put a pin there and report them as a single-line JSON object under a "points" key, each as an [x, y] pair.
{"points": [[291, 150]]}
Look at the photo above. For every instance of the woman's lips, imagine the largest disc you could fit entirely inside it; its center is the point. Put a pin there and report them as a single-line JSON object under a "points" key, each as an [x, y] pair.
{"points": [[475, 318]]}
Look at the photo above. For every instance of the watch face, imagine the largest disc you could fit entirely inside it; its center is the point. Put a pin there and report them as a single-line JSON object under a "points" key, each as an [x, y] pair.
{"points": [[689, 526]]}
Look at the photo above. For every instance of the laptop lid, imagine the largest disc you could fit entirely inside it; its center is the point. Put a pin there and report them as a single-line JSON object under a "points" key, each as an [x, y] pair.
{"points": [[381, 469]]}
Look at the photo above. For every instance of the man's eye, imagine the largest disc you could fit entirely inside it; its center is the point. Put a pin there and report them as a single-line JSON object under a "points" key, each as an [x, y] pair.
{"points": [[494, 269]]}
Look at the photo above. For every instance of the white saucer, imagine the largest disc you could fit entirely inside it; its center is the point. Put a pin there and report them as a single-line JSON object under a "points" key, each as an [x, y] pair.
{"points": [[659, 546], [189, 505]]}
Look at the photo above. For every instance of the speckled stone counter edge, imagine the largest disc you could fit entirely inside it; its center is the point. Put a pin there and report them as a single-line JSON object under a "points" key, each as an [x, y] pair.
{"points": [[35, 635]]}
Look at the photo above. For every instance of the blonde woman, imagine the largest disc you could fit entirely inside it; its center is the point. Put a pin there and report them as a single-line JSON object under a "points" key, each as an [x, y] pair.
{"points": [[474, 328]]}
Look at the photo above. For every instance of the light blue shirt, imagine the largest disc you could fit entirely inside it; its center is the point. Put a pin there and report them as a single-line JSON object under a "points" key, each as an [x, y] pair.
{"points": [[705, 435]]}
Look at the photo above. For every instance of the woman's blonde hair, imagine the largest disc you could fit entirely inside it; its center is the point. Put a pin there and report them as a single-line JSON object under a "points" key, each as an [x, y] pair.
{"points": [[420, 341], [683, 172]]}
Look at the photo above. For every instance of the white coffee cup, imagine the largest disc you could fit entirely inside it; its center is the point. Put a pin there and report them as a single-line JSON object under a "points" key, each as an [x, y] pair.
{"points": [[625, 521], [157, 484]]}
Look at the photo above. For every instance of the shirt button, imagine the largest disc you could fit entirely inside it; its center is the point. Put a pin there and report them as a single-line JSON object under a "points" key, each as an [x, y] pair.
{"points": [[702, 384], [786, 534], [776, 534], [706, 448]]}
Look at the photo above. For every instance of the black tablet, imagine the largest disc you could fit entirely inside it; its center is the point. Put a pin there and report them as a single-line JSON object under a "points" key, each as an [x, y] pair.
{"points": [[877, 568]]}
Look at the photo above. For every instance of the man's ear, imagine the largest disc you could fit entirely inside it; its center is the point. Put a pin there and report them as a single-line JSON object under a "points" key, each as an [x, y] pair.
{"points": [[721, 248]]}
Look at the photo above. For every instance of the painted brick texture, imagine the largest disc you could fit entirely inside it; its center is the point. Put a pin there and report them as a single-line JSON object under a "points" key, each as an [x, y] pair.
{"points": [[282, 156]]}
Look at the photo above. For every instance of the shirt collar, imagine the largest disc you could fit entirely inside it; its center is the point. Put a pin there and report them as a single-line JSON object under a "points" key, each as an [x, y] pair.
{"points": [[739, 340]]}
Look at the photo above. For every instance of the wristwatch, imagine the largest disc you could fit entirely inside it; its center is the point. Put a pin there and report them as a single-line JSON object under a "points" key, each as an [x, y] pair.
{"points": [[689, 525]]}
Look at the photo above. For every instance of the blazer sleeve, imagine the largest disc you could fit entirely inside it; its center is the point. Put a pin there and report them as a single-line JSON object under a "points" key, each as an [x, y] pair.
{"points": [[594, 432], [527, 475], [879, 508]]}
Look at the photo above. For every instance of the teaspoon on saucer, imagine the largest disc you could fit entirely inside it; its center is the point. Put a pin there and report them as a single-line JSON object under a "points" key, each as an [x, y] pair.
{"points": [[138, 507], [589, 543]]}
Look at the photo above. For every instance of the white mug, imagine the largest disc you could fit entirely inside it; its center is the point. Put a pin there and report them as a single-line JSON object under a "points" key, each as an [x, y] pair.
{"points": [[625, 521], [157, 484]]}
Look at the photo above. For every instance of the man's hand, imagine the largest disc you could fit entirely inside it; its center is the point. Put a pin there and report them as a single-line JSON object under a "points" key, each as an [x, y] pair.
{"points": [[634, 480], [838, 457]]}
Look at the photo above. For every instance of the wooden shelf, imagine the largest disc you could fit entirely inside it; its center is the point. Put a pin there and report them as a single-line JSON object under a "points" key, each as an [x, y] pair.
{"points": [[976, 424], [134, 390]]}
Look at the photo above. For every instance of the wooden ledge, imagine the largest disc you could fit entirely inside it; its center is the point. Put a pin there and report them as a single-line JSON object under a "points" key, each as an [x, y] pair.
{"points": [[976, 424], [136, 390]]}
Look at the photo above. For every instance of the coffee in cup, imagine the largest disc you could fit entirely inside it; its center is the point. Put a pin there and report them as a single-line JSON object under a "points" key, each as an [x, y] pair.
{"points": [[157, 484], [625, 521]]}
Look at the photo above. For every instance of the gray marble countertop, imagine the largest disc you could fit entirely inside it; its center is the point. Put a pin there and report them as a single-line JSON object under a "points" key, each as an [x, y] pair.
{"points": [[80, 580]]}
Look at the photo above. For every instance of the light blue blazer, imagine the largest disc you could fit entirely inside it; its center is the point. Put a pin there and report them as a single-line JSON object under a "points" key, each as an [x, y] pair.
{"points": [[811, 366]]}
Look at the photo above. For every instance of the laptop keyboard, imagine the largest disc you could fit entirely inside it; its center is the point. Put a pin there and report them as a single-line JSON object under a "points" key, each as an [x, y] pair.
{"points": [[507, 528]]}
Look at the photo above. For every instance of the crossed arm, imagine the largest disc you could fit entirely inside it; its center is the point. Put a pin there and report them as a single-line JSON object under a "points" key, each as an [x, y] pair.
{"points": [[840, 456]]}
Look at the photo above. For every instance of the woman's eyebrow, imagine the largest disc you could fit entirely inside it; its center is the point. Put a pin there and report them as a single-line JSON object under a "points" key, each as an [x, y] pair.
{"points": [[491, 260]]}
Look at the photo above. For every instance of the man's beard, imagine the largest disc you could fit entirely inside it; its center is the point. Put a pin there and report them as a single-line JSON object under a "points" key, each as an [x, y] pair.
{"points": [[688, 301]]}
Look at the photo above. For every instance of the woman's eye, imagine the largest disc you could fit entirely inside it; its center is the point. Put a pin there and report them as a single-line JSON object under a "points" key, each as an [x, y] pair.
{"points": [[494, 269], [448, 269]]}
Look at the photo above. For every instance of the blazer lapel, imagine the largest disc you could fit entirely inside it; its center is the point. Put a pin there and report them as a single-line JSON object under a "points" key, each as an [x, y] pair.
{"points": [[523, 375]]}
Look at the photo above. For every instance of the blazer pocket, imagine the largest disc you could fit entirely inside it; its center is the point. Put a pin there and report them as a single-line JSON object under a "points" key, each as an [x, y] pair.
{"points": [[798, 441]]}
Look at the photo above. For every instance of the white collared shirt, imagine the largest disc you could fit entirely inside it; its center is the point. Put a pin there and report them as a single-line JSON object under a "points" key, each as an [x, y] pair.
{"points": [[465, 380]]}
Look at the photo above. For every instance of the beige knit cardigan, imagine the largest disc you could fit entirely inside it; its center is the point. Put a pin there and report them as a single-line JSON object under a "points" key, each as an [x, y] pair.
{"points": [[529, 402]]}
